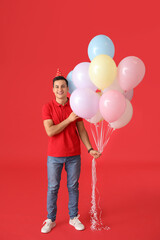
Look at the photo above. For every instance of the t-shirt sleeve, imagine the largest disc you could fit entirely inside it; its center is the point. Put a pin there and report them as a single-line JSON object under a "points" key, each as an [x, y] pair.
{"points": [[79, 119], [46, 112]]}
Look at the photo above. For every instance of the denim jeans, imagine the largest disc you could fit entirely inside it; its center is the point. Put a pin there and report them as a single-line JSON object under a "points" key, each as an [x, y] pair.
{"points": [[54, 169]]}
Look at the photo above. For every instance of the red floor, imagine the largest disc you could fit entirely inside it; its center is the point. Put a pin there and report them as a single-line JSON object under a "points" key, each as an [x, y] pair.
{"points": [[129, 193]]}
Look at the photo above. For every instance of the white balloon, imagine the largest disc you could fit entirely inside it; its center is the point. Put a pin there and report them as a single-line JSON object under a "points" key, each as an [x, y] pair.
{"points": [[125, 118], [84, 102], [81, 78], [96, 118]]}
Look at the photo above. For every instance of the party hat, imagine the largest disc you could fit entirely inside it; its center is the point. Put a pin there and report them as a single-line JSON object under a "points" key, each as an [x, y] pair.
{"points": [[58, 73]]}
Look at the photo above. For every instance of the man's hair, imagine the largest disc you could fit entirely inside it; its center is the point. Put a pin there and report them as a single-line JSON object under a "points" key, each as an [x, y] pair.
{"points": [[60, 78]]}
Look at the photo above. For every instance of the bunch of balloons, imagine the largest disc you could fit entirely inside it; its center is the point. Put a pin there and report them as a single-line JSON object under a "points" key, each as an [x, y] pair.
{"points": [[101, 90]]}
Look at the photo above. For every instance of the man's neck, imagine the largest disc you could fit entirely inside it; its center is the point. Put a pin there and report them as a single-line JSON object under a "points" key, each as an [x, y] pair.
{"points": [[62, 101]]}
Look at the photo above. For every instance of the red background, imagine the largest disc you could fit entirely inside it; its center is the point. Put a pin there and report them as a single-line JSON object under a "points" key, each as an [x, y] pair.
{"points": [[37, 37]]}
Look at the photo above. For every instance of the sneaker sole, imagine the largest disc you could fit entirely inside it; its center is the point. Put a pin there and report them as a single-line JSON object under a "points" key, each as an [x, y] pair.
{"points": [[76, 228], [50, 230]]}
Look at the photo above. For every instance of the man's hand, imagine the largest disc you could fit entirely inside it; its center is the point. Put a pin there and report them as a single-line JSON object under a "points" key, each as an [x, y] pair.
{"points": [[72, 117], [95, 154]]}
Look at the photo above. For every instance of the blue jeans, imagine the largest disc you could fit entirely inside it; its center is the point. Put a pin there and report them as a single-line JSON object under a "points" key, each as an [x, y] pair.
{"points": [[54, 169]]}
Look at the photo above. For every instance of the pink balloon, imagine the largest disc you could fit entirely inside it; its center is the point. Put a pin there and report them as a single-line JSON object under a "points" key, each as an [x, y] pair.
{"points": [[81, 78], [131, 71], [128, 94], [125, 118], [112, 105], [84, 102]]}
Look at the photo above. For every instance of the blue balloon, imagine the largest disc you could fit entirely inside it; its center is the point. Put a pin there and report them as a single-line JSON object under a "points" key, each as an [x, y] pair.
{"points": [[100, 44], [71, 85]]}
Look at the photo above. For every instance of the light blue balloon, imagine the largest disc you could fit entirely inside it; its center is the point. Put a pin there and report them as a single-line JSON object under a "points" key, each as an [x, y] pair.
{"points": [[71, 85], [100, 44]]}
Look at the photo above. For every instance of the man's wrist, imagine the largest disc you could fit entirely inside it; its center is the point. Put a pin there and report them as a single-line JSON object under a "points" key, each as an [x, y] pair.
{"points": [[90, 149], [68, 120]]}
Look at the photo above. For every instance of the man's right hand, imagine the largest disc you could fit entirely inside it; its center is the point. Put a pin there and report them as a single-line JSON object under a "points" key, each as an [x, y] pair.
{"points": [[72, 117]]}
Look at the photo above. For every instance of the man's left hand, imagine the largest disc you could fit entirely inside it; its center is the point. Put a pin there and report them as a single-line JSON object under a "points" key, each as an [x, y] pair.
{"points": [[95, 154]]}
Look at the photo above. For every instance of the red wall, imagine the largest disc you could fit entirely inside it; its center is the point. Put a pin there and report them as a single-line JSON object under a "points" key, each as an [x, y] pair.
{"points": [[39, 36]]}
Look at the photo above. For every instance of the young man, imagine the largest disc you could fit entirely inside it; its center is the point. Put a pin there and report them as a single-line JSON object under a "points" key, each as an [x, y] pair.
{"points": [[61, 125]]}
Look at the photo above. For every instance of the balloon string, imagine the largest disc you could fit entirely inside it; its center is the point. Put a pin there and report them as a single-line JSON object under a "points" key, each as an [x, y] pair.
{"points": [[98, 140], [101, 142], [108, 135], [96, 221], [101, 138], [93, 211], [93, 134]]}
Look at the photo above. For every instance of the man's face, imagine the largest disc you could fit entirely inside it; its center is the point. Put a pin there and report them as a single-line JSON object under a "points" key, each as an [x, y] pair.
{"points": [[60, 89]]}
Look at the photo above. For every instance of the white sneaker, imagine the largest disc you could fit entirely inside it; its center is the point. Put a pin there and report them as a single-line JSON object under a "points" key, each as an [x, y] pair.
{"points": [[76, 223], [48, 225]]}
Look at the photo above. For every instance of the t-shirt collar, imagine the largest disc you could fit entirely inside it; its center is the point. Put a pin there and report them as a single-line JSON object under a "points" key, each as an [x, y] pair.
{"points": [[60, 105]]}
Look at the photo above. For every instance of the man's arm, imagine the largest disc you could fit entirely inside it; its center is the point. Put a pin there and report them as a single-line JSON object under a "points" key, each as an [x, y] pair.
{"points": [[52, 129], [85, 139]]}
